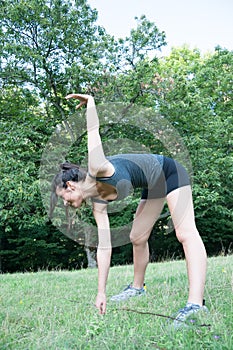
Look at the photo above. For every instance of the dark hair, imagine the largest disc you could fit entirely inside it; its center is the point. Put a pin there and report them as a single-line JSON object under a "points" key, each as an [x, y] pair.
{"points": [[69, 172]]}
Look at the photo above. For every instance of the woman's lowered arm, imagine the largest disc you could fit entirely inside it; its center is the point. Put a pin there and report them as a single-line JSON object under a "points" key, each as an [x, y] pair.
{"points": [[104, 252]]}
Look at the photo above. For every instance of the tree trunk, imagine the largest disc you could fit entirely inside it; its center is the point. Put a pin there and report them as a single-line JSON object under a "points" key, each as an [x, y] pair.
{"points": [[91, 257]]}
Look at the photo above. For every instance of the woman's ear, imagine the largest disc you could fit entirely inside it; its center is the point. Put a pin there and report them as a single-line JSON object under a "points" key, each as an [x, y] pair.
{"points": [[70, 185]]}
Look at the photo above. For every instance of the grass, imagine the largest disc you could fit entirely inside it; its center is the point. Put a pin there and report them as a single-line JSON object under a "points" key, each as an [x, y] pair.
{"points": [[54, 310]]}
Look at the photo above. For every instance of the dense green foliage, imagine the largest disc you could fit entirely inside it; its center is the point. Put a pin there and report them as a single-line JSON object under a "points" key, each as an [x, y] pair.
{"points": [[48, 49]]}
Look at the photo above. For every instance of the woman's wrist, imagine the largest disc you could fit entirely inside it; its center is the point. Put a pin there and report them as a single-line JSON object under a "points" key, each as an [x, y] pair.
{"points": [[101, 292], [90, 101]]}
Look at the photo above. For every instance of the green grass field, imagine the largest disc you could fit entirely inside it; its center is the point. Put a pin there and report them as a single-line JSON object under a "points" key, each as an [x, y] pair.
{"points": [[55, 310]]}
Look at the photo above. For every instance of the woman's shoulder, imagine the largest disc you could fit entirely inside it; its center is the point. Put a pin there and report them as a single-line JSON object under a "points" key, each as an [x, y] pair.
{"points": [[106, 170]]}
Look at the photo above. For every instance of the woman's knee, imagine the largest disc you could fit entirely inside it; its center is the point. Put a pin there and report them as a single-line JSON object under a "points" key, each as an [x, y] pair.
{"points": [[139, 238], [185, 235]]}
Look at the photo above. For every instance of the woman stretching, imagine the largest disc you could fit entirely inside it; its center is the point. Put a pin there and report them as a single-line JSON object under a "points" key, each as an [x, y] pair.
{"points": [[112, 178]]}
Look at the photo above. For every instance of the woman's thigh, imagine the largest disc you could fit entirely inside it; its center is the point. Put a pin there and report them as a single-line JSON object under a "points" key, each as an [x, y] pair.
{"points": [[180, 203], [148, 211]]}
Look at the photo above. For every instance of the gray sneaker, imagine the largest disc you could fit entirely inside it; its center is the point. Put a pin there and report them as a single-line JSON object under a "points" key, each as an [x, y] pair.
{"points": [[186, 312], [129, 292]]}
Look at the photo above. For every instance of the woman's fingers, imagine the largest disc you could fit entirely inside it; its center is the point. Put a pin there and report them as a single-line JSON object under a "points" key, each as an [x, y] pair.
{"points": [[82, 98], [78, 96], [80, 105]]}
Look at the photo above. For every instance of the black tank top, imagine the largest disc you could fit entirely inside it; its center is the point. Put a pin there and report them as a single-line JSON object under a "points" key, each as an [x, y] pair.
{"points": [[133, 171]]}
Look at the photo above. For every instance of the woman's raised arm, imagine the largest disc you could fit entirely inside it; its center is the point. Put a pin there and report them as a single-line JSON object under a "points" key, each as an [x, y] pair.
{"points": [[97, 162]]}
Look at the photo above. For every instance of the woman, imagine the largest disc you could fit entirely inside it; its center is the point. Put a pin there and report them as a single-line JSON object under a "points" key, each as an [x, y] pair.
{"points": [[112, 178]]}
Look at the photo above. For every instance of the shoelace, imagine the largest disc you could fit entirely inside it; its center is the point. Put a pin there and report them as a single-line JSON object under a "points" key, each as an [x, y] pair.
{"points": [[182, 313], [132, 288]]}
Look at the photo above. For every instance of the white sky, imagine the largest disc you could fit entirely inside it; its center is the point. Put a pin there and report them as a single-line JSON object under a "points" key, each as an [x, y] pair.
{"points": [[203, 24]]}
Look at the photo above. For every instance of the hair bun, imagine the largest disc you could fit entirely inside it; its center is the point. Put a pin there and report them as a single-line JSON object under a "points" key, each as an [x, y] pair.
{"points": [[67, 166]]}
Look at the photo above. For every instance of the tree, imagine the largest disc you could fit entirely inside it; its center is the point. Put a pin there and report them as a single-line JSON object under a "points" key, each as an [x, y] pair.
{"points": [[28, 241], [194, 94], [215, 80], [129, 64], [47, 48], [51, 46]]}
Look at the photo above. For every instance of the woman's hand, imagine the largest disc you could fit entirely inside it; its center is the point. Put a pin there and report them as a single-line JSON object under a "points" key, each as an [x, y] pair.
{"points": [[100, 303], [81, 97]]}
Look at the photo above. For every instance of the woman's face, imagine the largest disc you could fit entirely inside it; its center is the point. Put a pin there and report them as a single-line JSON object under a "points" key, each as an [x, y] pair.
{"points": [[72, 195]]}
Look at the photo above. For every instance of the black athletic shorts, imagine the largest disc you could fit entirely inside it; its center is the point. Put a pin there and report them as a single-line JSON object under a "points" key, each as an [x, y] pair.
{"points": [[173, 176]]}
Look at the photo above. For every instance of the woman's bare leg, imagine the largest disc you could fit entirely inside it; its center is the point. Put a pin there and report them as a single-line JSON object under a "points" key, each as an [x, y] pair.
{"points": [[180, 204], [147, 213]]}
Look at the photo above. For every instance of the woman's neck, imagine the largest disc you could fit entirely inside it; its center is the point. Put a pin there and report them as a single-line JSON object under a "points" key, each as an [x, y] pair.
{"points": [[89, 188]]}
